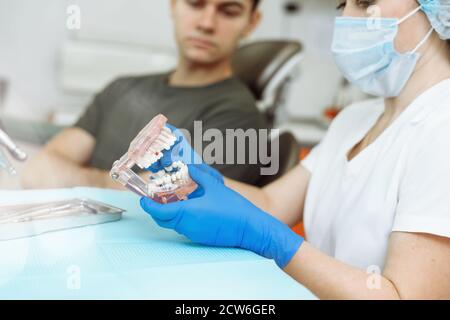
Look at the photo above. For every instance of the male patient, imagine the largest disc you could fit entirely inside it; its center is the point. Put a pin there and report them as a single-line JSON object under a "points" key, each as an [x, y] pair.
{"points": [[202, 87]]}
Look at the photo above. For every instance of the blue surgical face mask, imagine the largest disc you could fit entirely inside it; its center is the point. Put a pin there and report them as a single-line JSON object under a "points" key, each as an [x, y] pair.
{"points": [[364, 51]]}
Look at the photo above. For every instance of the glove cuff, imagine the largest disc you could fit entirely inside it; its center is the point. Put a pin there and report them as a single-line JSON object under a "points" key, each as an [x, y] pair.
{"points": [[272, 239], [285, 244]]}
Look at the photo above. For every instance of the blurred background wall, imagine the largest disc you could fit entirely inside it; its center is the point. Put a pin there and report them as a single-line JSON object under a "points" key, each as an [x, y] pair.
{"points": [[53, 71]]}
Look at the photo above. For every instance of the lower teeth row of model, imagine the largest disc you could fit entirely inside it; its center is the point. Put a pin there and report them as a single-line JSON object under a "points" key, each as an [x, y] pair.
{"points": [[177, 172]]}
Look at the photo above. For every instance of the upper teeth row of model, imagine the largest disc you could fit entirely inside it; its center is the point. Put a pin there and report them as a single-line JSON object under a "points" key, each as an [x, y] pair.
{"points": [[164, 141], [168, 176]]}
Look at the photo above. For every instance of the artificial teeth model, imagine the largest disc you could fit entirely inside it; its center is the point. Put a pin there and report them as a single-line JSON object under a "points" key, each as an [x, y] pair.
{"points": [[171, 184]]}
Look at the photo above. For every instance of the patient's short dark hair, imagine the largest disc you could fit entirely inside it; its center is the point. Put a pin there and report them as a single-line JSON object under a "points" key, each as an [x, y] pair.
{"points": [[255, 4]]}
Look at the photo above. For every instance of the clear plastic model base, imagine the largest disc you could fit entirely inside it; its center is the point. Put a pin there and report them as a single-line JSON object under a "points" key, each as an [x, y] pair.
{"points": [[171, 184], [26, 220]]}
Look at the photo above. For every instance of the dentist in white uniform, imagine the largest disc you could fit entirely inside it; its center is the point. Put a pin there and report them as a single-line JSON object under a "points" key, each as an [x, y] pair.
{"points": [[374, 195]]}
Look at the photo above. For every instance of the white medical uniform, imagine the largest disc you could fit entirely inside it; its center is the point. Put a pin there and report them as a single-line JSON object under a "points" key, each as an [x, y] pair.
{"points": [[401, 182]]}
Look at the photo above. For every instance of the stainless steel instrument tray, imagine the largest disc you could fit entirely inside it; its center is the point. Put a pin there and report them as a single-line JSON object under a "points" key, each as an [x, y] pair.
{"points": [[27, 220]]}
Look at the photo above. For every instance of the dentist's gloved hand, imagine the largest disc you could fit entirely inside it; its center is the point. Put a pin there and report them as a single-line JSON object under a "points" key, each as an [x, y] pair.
{"points": [[221, 217], [182, 151]]}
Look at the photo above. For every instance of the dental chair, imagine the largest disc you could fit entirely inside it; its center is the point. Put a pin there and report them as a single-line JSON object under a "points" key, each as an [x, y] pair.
{"points": [[267, 67], [288, 157]]}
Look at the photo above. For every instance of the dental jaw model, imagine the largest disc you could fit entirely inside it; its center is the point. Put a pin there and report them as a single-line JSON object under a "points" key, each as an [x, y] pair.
{"points": [[170, 184]]}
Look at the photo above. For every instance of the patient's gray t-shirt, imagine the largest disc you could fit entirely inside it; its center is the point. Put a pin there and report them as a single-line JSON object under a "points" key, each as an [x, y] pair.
{"points": [[123, 108]]}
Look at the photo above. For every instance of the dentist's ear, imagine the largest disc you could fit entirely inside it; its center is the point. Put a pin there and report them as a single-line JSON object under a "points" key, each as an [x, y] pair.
{"points": [[255, 19]]}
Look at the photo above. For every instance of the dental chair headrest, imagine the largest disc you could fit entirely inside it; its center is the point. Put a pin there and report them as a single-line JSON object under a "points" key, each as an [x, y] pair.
{"points": [[257, 63]]}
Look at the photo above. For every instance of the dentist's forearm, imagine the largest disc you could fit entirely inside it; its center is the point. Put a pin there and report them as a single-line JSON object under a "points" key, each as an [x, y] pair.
{"points": [[268, 199], [329, 278], [254, 194]]}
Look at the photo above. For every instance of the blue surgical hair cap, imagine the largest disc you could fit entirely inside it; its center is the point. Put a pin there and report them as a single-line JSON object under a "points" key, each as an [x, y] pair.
{"points": [[438, 12]]}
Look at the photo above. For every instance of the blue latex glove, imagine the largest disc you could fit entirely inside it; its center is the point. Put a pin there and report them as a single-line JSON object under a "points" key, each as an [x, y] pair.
{"points": [[221, 217]]}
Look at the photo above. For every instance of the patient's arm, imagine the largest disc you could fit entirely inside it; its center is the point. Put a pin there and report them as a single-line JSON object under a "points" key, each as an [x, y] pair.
{"points": [[63, 163], [283, 198]]}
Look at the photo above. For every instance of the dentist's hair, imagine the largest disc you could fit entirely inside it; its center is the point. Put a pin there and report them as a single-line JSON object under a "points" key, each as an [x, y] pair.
{"points": [[448, 47]]}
